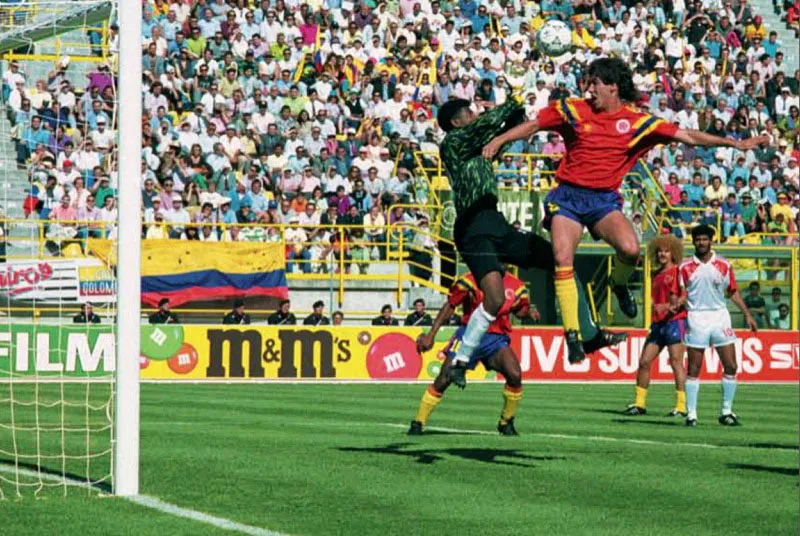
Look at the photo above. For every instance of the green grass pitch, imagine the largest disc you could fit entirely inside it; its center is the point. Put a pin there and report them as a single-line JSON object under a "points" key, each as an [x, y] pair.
{"points": [[334, 459]]}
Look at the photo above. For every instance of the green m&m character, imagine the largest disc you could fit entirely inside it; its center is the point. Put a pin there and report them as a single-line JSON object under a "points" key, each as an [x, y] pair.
{"points": [[161, 341]]}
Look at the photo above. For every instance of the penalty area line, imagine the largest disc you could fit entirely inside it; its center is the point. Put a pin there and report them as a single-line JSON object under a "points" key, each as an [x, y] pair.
{"points": [[147, 501]]}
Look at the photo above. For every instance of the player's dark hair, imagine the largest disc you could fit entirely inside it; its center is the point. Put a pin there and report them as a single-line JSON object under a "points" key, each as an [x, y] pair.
{"points": [[703, 230], [449, 111], [614, 71]]}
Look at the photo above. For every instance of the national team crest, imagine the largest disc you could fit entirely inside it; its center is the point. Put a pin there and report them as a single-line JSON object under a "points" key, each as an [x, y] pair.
{"points": [[623, 126]]}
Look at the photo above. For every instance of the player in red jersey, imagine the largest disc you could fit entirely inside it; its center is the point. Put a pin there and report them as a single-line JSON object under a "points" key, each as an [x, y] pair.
{"points": [[604, 136], [668, 324], [494, 350]]}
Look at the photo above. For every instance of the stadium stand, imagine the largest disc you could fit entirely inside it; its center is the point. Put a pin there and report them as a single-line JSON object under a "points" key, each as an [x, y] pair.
{"points": [[314, 123]]}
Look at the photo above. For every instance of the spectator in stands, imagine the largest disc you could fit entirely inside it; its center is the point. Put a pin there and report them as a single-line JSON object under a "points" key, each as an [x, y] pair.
{"points": [[283, 316], [385, 318], [755, 303], [780, 318], [338, 318], [163, 315], [418, 317], [316, 318], [86, 316], [237, 315], [732, 217]]}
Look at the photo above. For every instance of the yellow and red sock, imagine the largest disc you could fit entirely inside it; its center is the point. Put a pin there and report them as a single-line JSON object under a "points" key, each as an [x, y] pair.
{"points": [[567, 296], [430, 399], [511, 399]]}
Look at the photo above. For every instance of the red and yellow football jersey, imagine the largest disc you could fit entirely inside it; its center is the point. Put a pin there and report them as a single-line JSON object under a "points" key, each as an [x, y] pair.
{"points": [[465, 292], [666, 283], [601, 147]]}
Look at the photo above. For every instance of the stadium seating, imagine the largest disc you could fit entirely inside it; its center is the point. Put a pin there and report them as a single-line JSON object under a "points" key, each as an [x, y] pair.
{"points": [[316, 126]]}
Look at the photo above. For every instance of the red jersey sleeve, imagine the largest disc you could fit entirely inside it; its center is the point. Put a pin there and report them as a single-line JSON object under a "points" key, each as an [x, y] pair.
{"points": [[522, 301], [458, 293], [731, 280], [648, 131], [550, 118]]}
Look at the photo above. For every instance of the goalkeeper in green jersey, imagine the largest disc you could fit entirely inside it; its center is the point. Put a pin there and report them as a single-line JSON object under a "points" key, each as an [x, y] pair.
{"points": [[482, 235]]}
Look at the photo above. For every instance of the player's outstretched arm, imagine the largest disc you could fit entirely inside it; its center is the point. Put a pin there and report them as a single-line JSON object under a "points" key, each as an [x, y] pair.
{"points": [[697, 137], [491, 123], [519, 132], [736, 298], [425, 340]]}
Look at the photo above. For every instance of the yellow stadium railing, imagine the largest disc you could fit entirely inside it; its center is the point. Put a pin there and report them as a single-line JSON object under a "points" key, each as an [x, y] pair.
{"points": [[14, 16]]}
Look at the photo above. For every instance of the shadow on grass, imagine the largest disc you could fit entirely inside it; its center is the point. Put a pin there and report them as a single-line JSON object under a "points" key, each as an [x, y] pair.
{"points": [[638, 420], [780, 446], [448, 433], [605, 411], [511, 457], [31, 470], [788, 471]]}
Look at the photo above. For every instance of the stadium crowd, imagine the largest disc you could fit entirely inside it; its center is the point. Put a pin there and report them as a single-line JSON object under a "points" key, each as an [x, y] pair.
{"points": [[309, 114]]}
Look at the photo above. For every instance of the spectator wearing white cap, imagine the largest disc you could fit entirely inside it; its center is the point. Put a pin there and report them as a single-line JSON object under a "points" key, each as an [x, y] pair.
{"points": [[177, 217], [363, 161], [791, 172], [325, 123], [87, 158], [784, 102], [332, 180], [720, 167]]}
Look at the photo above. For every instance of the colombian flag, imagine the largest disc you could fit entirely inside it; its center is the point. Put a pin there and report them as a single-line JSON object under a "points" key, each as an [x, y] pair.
{"points": [[186, 271]]}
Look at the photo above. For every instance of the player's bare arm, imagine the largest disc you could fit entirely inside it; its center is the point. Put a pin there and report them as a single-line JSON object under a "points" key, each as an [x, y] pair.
{"points": [[697, 137], [519, 132], [425, 340], [736, 298]]}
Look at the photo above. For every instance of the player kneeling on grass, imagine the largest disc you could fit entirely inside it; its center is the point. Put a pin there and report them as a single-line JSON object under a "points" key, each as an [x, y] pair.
{"points": [[707, 277], [667, 327], [494, 349]]}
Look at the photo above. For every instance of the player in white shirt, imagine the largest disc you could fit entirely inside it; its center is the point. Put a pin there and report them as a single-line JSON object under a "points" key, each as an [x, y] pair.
{"points": [[707, 278]]}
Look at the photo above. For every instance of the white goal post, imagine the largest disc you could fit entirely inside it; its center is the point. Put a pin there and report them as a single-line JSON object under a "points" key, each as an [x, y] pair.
{"points": [[126, 451]]}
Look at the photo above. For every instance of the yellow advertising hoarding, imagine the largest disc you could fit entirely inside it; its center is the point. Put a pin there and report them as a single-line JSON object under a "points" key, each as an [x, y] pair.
{"points": [[174, 352]]}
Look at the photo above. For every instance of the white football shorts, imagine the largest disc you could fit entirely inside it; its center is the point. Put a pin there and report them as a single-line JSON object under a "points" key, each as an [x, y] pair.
{"points": [[708, 328]]}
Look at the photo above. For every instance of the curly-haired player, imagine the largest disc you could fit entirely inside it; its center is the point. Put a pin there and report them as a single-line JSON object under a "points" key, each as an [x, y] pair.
{"points": [[604, 137], [668, 324]]}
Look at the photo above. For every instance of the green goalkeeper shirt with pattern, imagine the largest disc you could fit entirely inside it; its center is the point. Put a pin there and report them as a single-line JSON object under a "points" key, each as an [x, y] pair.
{"points": [[472, 177]]}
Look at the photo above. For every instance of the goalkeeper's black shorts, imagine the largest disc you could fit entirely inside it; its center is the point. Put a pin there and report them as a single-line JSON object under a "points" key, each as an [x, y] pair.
{"points": [[487, 241]]}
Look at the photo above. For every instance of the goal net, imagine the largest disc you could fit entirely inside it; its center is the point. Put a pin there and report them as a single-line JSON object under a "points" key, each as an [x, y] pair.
{"points": [[59, 184]]}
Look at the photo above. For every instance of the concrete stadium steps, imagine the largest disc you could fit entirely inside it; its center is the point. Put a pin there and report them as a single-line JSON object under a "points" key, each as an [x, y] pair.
{"points": [[772, 22]]}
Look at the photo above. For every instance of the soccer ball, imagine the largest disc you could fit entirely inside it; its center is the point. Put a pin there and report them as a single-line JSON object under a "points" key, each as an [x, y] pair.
{"points": [[554, 38]]}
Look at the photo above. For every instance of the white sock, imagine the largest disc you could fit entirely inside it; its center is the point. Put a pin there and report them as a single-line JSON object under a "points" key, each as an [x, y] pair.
{"points": [[692, 389], [728, 392], [477, 327]]}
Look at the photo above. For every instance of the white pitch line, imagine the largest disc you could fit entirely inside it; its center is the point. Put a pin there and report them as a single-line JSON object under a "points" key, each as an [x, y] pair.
{"points": [[186, 513], [585, 438], [154, 503]]}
